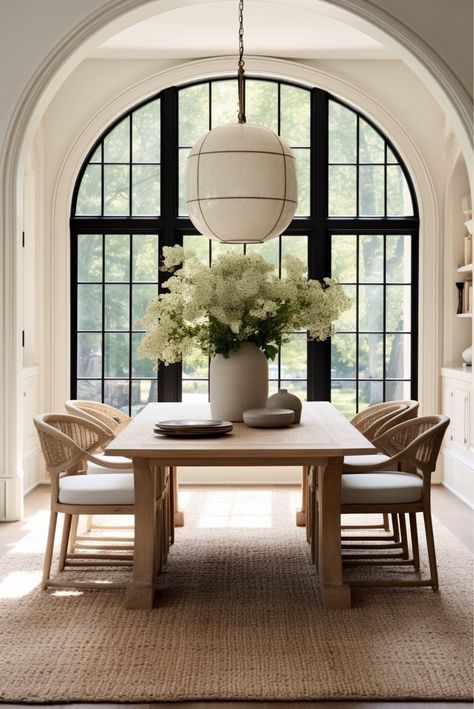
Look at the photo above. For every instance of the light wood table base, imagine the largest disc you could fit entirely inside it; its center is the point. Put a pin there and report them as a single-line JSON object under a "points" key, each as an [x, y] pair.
{"points": [[301, 514]]}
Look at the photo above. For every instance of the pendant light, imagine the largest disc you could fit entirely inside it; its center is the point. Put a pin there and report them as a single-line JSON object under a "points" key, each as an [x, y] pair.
{"points": [[241, 178]]}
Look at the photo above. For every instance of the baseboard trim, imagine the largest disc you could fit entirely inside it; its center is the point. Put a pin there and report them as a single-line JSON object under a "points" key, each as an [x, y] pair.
{"points": [[458, 495]]}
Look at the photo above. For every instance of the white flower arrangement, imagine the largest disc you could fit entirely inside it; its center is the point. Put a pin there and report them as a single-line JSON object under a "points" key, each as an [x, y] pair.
{"points": [[237, 299]]}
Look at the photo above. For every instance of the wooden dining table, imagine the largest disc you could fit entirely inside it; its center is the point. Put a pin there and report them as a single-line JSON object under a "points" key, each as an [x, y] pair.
{"points": [[322, 439]]}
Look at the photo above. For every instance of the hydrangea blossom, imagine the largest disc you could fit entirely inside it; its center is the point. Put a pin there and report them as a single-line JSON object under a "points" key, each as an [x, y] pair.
{"points": [[239, 298]]}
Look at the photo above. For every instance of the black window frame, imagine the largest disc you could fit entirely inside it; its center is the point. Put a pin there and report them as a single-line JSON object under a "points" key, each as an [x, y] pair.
{"points": [[318, 226]]}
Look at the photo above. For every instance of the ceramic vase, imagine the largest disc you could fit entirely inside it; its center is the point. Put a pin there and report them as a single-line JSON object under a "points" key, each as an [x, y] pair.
{"points": [[467, 356], [238, 382], [285, 400]]}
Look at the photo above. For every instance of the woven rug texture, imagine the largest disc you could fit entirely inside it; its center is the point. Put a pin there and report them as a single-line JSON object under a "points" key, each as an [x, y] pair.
{"points": [[238, 616]]}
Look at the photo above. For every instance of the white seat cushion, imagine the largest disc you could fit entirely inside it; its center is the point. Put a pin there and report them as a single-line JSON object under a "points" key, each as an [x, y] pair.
{"points": [[107, 489], [94, 469], [363, 460], [382, 488]]}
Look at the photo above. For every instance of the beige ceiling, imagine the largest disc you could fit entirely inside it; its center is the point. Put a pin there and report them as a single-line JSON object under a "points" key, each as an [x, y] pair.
{"points": [[283, 28]]}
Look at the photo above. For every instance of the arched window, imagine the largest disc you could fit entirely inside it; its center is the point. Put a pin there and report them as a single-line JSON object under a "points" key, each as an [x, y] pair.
{"points": [[357, 219]]}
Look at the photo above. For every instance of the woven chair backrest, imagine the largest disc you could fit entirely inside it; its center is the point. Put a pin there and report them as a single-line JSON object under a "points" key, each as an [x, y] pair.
{"points": [[91, 415], [65, 439], [370, 419], [394, 418], [115, 419], [416, 441]]}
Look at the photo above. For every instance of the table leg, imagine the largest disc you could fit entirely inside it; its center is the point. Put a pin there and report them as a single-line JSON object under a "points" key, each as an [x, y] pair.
{"points": [[301, 514], [336, 594], [178, 516], [141, 591]]}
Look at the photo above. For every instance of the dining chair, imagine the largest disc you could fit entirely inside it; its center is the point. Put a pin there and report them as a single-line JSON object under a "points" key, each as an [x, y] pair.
{"points": [[66, 442], [414, 446], [115, 420], [372, 422]]}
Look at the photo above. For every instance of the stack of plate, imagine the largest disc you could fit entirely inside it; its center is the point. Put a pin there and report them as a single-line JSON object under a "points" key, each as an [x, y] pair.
{"points": [[192, 427]]}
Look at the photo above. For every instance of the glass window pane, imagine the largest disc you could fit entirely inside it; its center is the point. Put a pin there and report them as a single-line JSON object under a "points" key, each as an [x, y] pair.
{"points": [[143, 392], [117, 257], [293, 357], [117, 304], [391, 157], [348, 320], [116, 393], [371, 308], [343, 396], [117, 143], [183, 154], [89, 354], [295, 115], [193, 390], [397, 391], [397, 356], [303, 172], [294, 246], [145, 190], [97, 154], [298, 388], [89, 198], [141, 366], [343, 356], [273, 368], [371, 356], [370, 259], [142, 294], [261, 103], [273, 386], [219, 249], [200, 245], [89, 257], [398, 194], [371, 190], [145, 257], [195, 365], [342, 190], [116, 354], [398, 308], [146, 133], [193, 114], [370, 393], [89, 389], [371, 144], [224, 103], [116, 190], [344, 257], [89, 307], [342, 134], [398, 258], [269, 250]]}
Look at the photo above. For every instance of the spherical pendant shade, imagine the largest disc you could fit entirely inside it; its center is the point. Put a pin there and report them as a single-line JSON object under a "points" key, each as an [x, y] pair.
{"points": [[241, 184]]}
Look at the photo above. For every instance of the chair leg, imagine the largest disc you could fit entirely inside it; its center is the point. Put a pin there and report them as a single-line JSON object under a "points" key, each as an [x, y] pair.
{"points": [[171, 504], [396, 529], [73, 534], [64, 541], [403, 534], [159, 536], [88, 523], [48, 557], [386, 523], [414, 541], [431, 548]]}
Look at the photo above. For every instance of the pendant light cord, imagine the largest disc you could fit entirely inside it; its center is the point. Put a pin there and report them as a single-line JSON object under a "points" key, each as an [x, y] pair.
{"points": [[241, 71]]}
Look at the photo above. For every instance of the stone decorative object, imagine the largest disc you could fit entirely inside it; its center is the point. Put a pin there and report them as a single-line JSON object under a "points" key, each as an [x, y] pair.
{"points": [[238, 382], [285, 400], [467, 356], [269, 418]]}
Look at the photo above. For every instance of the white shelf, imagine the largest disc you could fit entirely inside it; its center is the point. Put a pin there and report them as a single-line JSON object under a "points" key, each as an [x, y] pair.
{"points": [[465, 269], [464, 315]]}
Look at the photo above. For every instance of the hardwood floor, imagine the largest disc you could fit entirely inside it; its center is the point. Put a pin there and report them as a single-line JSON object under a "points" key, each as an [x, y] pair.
{"points": [[453, 513]]}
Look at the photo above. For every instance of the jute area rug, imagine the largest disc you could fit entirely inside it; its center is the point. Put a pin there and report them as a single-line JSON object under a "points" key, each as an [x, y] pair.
{"points": [[238, 616]]}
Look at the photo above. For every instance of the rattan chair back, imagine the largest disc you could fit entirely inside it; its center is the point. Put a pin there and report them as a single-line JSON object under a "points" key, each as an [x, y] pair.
{"points": [[370, 420], [115, 419]]}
